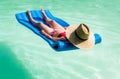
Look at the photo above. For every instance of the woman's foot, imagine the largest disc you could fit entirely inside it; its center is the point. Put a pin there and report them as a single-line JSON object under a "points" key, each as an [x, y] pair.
{"points": [[42, 10], [43, 13], [28, 14]]}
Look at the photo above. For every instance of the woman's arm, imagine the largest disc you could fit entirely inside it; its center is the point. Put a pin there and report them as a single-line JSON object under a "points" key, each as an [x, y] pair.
{"points": [[53, 38], [46, 34], [59, 38]]}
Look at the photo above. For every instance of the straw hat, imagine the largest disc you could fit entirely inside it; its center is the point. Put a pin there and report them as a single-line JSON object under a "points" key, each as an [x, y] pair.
{"points": [[80, 36]]}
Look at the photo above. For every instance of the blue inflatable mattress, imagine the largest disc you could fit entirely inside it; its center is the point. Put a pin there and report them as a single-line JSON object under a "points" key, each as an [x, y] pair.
{"points": [[56, 45]]}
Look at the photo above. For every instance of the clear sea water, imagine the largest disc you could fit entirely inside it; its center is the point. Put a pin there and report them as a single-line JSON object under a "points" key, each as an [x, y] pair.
{"points": [[24, 55]]}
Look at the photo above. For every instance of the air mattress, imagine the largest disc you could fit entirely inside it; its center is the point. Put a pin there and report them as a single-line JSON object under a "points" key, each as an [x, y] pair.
{"points": [[56, 45]]}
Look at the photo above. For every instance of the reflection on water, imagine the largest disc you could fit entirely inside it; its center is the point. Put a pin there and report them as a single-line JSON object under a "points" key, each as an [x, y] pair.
{"points": [[10, 66]]}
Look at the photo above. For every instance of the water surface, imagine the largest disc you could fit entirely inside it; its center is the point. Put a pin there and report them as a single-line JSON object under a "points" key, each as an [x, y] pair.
{"points": [[32, 57]]}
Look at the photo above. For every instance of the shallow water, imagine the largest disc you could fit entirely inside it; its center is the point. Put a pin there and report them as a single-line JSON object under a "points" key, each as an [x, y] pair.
{"points": [[27, 53]]}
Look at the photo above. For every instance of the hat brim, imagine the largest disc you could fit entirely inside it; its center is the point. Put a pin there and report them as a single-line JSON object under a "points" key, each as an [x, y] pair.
{"points": [[83, 44]]}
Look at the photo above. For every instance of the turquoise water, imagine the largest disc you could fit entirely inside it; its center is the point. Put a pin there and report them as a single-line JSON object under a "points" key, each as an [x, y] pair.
{"points": [[24, 55]]}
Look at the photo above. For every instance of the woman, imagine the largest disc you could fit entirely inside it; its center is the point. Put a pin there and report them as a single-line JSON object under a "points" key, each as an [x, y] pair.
{"points": [[54, 32], [79, 35]]}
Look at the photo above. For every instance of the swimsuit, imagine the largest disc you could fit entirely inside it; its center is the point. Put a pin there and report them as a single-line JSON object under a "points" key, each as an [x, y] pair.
{"points": [[63, 34], [52, 33]]}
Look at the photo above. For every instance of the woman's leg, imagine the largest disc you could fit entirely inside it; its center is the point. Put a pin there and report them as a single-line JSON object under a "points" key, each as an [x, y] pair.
{"points": [[50, 22], [39, 24], [35, 23]]}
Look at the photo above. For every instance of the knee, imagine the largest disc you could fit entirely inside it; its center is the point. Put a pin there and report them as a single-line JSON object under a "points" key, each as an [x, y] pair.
{"points": [[40, 23], [51, 21]]}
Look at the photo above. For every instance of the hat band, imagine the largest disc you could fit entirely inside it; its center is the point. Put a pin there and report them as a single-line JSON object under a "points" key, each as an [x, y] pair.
{"points": [[79, 36]]}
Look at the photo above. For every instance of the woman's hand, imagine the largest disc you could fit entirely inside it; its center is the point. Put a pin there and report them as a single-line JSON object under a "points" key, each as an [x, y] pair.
{"points": [[54, 38], [58, 38]]}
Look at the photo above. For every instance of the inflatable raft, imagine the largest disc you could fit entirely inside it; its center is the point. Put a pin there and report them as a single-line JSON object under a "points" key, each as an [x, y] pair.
{"points": [[56, 45]]}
